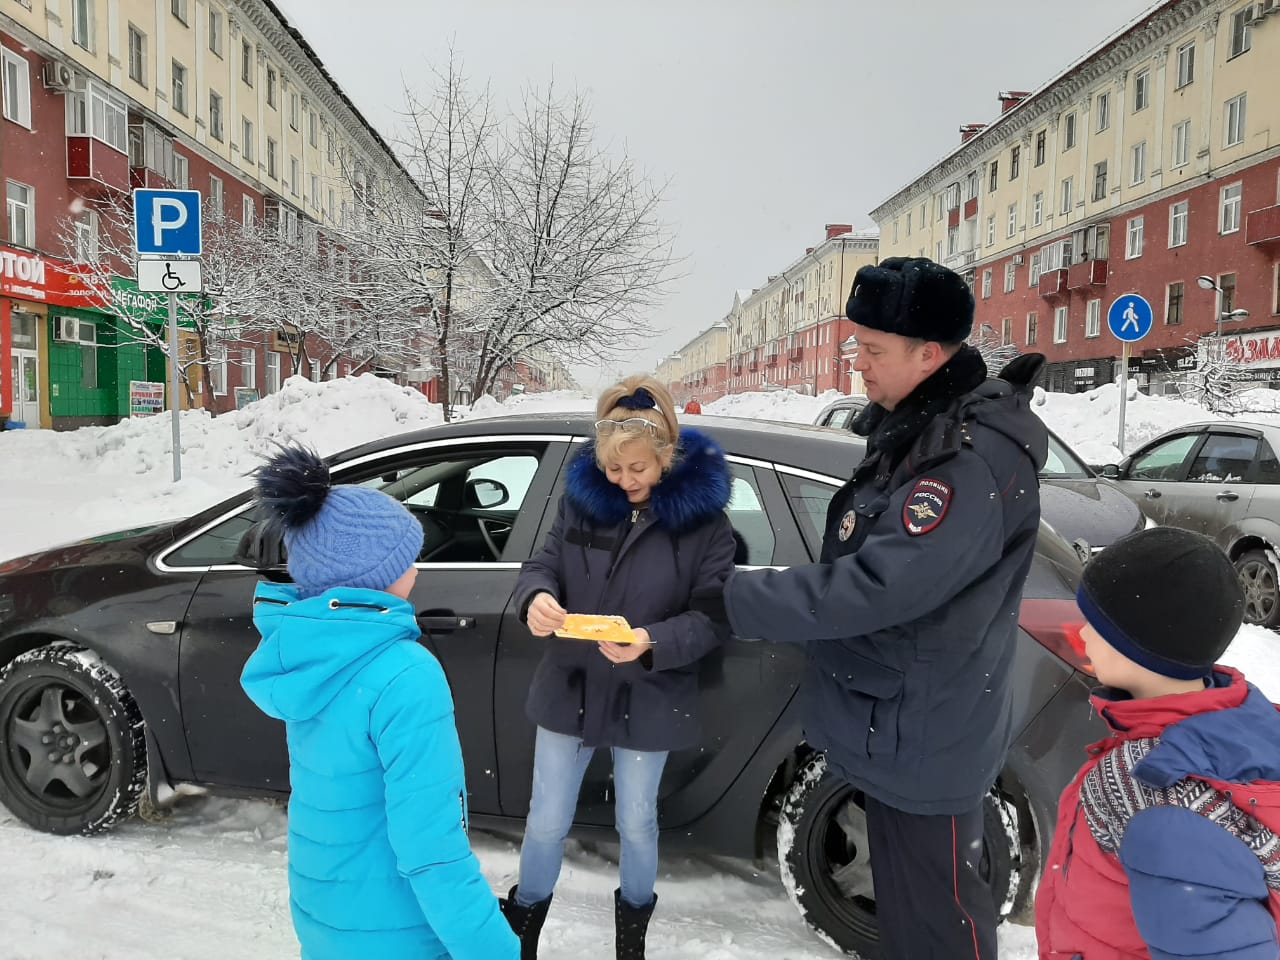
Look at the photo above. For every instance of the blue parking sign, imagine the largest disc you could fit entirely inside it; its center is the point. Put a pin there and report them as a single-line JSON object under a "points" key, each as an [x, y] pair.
{"points": [[1130, 318], [167, 222]]}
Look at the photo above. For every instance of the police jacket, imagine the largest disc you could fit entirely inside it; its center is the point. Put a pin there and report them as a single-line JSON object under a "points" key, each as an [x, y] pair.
{"points": [[911, 617]]}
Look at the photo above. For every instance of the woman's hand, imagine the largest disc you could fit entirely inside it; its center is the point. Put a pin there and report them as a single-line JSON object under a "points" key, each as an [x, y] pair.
{"points": [[545, 615], [626, 652]]}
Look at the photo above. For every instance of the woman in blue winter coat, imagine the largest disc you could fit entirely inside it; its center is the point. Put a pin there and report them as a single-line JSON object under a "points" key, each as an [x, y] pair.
{"points": [[379, 861], [640, 529]]}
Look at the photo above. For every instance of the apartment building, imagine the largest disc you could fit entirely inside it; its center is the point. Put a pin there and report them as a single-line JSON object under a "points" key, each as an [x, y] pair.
{"points": [[1149, 163], [699, 368]]}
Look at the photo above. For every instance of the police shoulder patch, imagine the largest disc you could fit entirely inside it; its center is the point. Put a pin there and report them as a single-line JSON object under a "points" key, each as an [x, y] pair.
{"points": [[926, 506]]}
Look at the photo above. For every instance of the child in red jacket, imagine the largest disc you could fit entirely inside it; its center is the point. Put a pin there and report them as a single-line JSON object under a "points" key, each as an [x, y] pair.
{"points": [[1168, 840]]}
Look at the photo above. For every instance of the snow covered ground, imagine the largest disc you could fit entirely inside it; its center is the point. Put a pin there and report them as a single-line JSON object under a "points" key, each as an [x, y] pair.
{"points": [[209, 880]]}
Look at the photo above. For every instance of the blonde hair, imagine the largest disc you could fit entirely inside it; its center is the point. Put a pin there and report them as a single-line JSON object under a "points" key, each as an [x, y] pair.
{"points": [[666, 428]]}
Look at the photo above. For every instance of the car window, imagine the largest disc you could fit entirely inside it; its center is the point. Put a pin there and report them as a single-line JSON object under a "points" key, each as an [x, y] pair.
{"points": [[1163, 461], [839, 418], [1224, 458], [514, 473], [217, 545], [1268, 465], [1062, 464], [751, 526], [809, 501]]}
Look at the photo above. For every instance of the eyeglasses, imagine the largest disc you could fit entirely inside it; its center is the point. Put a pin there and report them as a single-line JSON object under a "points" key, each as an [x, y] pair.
{"points": [[635, 425]]}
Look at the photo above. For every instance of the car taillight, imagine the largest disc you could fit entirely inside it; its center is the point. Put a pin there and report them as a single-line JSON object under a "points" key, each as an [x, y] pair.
{"points": [[1056, 626]]}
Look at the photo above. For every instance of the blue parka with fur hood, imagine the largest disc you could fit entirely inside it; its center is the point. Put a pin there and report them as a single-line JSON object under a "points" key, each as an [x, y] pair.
{"points": [[602, 557]]}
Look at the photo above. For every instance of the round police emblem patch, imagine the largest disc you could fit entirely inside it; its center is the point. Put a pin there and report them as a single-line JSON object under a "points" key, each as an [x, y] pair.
{"points": [[847, 523], [926, 506]]}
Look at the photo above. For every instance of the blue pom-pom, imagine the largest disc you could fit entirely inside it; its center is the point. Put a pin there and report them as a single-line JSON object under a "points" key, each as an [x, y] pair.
{"points": [[293, 485], [642, 399]]}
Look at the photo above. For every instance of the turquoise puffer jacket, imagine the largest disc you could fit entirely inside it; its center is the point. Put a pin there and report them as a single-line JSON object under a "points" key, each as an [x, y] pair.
{"points": [[379, 861]]}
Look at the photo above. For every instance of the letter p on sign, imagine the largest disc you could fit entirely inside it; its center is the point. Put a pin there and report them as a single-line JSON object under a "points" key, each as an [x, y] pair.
{"points": [[167, 222]]}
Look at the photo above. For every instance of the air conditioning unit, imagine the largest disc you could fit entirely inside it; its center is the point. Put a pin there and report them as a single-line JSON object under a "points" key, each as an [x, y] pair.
{"points": [[59, 76], [66, 329], [1018, 261]]}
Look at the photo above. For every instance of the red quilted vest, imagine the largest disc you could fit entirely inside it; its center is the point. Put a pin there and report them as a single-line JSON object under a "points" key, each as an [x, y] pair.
{"points": [[1082, 907]]}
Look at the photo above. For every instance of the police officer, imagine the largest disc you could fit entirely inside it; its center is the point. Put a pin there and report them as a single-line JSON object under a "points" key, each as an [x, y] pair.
{"points": [[909, 621]]}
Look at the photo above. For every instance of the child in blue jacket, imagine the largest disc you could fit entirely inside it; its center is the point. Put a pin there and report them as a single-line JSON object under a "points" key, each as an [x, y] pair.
{"points": [[379, 861]]}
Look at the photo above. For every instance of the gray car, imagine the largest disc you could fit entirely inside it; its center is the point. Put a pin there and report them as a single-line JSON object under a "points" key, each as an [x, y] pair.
{"points": [[1223, 480], [1087, 510]]}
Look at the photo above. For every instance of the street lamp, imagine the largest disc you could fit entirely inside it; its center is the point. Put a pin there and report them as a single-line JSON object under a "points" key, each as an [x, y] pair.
{"points": [[1208, 283]]}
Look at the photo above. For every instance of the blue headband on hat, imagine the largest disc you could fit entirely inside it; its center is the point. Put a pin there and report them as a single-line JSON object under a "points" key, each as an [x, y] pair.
{"points": [[642, 399]]}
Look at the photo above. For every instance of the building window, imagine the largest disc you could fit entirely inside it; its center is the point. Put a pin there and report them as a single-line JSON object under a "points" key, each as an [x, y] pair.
{"points": [[1093, 319], [986, 284], [1015, 163], [271, 87], [1276, 306], [17, 88], [1010, 277], [20, 200], [1065, 207], [273, 371], [249, 368], [1227, 284], [895, 231], [1103, 110], [246, 137], [1235, 120], [218, 371], [217, 211], [1179, 216], [331, 154], [1139, 171], [1033, 321], [179, 8], [88, 335], [994, 185], [179, 88], [332, 208], [1230, 201], [315, 192], [1100, 181], [1060, 317], [295, 179], [1133, 246], [181, 169], [246, 213], [1006, 331], [1182, 143], [1186, 63], [1242, 31], [1173, 304], [991, 230], [1068, 132], [82, 23], [246, 62], [137, 55], [271, 159], [1041, 139], [215, 115], [1037, 209], [1012, 226], [313, 129], [1142, 90], [216, 26], [293, 110], [908, 231], [86, 237], [95, 112], [1033, 273]]}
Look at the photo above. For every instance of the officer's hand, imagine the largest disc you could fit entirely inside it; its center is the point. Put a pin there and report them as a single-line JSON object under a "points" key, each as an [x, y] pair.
{"points": [[545, 615], [710, 600]]}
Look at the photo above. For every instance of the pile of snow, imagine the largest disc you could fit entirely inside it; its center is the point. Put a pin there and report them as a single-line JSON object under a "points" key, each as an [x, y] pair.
{"points": [[555, 401], [785, 405]]}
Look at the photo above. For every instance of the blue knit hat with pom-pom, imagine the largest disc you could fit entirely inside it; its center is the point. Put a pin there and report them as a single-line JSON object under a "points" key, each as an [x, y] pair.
{"points": [[336, 536]]}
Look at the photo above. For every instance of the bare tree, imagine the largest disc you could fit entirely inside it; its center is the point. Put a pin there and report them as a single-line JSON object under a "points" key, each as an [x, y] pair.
{"points": [[995, 352], [1218, 377]]}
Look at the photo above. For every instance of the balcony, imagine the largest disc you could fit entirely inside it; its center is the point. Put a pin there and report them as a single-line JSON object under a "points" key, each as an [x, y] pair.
{"points": [[953, 217], [1053, 283], [737, 365], [1263, 226], [771, 358], [753, 364], [958, 261], [144, 178], [91, 160], [795, 353], [1090, 273], [971, 209]]}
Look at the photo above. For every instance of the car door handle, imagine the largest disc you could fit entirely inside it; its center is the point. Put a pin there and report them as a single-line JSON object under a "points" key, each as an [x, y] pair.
{"points": [[1152, 494], [445, 623], [1228, 496]]}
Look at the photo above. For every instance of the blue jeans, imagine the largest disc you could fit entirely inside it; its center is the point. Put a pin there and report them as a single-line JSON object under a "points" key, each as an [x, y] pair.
{"points": [[559, 763]]}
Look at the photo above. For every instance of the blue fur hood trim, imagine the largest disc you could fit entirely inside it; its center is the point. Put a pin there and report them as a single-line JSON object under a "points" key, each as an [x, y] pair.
{"points": [[695, 491]]}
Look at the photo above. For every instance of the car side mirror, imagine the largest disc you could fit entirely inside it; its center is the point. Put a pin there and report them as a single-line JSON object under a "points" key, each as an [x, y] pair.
{"points": [[485, 494], [1110, 472], [262, 549]]}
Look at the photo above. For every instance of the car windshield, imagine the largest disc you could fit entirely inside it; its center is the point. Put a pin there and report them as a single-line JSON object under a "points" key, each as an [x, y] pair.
{"points": [[1062, 464]]}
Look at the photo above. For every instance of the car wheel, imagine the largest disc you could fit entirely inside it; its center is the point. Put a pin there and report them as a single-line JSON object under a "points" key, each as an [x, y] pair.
{"points": [[73, 749], [1261, 589], [825, 860]]}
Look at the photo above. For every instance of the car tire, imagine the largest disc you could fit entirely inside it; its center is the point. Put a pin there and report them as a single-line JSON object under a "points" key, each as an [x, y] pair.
{"points": [[65, 700], [826, 866], [1261, 584]]}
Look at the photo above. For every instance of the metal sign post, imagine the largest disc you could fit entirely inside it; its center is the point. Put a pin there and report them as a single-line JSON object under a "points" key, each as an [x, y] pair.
{"points": [[174, 376], [1130, 319]]}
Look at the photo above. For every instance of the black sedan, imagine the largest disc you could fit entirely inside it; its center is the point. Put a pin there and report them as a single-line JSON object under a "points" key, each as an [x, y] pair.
{"points": [[121, 660]]}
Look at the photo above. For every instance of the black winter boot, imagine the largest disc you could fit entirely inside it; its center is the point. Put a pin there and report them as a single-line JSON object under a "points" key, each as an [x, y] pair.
{"points": [[630, 926], [526, 922]]}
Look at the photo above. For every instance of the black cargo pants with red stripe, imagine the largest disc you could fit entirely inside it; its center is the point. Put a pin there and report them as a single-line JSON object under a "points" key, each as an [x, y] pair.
{"points": [[931, 900]]}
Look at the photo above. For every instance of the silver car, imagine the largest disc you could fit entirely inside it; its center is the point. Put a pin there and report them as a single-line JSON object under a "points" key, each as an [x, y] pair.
{"points": [[1223, 480]]}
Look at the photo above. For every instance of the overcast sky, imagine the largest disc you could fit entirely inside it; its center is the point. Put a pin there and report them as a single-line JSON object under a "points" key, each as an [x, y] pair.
{"points": [[770, 119]]}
